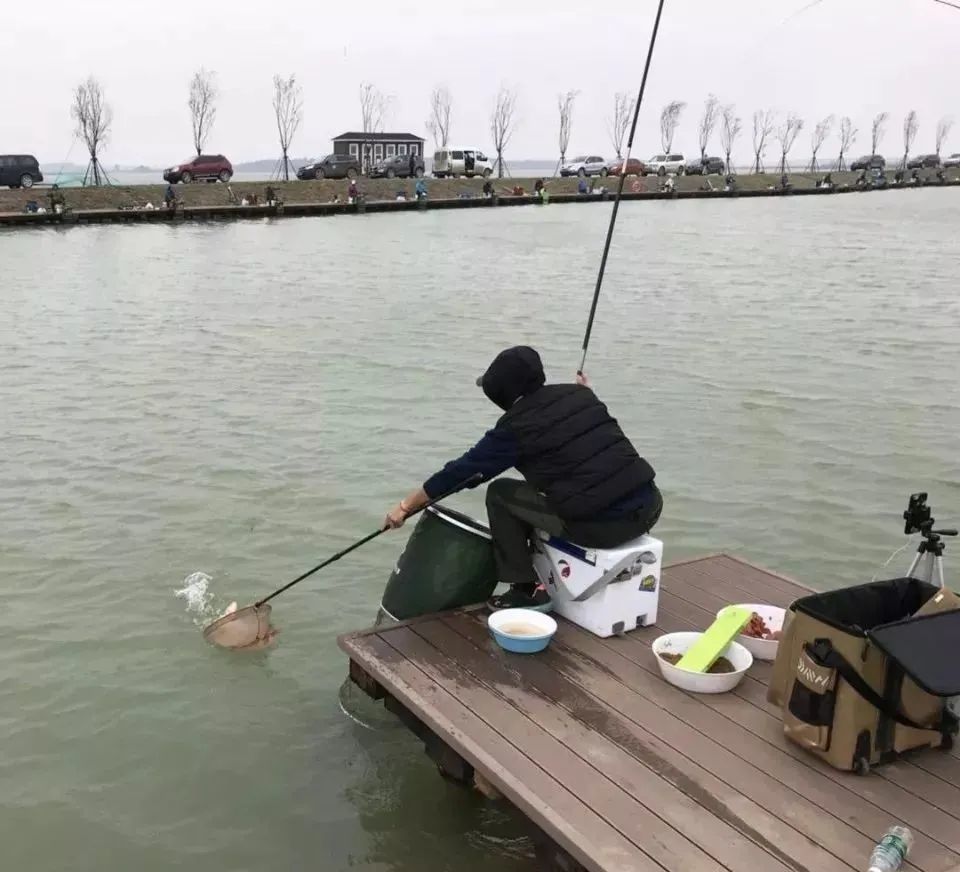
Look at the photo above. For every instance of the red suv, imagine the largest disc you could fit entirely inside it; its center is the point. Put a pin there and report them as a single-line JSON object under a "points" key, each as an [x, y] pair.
{"points": [[206, 167]]}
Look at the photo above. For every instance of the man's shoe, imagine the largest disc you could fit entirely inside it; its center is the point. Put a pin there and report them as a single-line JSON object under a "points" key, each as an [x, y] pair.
{"points": [[521, 598]]}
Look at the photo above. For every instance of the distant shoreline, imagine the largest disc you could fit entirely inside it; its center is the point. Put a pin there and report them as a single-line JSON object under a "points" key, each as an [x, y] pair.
{"points": [[110, 204]]}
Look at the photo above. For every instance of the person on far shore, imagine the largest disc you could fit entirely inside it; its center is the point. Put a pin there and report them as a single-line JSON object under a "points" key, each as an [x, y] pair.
{"points": [[488, 189], [413, 164], [170, 197], [420, 189], [353, 191], [270, 195], [730, 183], [583, 187]]}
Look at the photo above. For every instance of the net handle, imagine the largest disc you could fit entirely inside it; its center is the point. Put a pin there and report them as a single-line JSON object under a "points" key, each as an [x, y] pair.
{"points": [[466, 483]]}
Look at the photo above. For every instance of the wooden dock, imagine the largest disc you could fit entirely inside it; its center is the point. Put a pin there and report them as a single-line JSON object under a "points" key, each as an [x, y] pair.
{"points": [[617, 770]]}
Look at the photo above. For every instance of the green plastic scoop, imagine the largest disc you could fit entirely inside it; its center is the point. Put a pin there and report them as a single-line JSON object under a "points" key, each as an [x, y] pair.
{"points": [[705, 651]]}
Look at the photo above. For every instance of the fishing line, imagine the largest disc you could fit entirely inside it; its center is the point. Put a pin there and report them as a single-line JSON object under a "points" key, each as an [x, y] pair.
{"points": [[623, 178], [901, 549]]}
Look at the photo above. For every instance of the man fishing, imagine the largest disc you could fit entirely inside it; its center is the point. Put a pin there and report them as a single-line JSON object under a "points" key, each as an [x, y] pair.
{"points": [[584, 481]]}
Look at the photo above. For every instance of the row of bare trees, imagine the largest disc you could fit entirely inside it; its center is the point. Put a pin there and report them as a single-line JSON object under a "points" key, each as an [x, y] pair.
{"points": [[93, 117]]}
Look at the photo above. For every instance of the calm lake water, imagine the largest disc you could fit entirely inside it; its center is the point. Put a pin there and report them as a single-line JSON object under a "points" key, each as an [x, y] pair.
{"points": [[243, 399]]}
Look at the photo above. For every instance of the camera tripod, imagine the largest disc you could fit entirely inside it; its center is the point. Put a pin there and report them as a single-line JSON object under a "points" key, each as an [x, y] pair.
{"points": [[928, 563]]}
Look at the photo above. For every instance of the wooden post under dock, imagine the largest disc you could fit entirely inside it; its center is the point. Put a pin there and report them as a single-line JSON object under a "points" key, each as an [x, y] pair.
{"points": [[618, 771]]}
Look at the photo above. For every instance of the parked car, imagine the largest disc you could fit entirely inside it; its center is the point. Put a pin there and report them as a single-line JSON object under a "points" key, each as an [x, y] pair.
{"points": [[585, 165], [923, 162], [661, 164], [19, 170], [461, 162], [333, 166], [951, 162], [706, 166], [869, 162], [203, 167], [397, 166], [635, 167]]}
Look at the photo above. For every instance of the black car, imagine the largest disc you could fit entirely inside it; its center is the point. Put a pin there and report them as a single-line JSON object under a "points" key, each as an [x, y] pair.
{"points": [[19, 170], [869, 162], [333, 166], [706, 166], [924, 162], [397, 166]]}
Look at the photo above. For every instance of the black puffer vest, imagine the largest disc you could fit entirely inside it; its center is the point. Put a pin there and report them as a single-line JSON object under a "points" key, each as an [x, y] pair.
{"points": [[573, 450]]}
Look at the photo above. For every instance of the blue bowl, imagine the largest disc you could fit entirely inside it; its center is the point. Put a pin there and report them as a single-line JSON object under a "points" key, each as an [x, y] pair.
{"points": [[528, 642]]}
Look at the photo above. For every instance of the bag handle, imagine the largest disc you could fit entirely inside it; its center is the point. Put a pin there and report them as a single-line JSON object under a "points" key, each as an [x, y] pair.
{"points": [[825, 653]]}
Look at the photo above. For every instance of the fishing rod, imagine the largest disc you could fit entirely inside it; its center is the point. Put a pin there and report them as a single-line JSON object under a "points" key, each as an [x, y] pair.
{"points": [[623, 178]]}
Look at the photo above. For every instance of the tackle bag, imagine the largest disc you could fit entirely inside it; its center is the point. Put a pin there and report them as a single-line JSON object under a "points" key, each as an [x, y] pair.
{"points": [[863, 673]]}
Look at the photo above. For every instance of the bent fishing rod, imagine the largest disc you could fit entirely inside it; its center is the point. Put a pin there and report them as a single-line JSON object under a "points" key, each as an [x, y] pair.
{"points": [[623, 178]]}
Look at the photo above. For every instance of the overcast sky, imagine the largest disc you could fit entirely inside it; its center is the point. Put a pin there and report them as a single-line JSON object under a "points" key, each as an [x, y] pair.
{"points": [[853, 57]]}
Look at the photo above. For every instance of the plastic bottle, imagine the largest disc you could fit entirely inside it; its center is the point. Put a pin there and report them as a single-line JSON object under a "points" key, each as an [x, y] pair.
{"points": [[891, 850]]}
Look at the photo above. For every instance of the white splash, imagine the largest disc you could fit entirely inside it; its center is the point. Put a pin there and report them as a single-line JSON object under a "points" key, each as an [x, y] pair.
{"points": [[197, 594]]}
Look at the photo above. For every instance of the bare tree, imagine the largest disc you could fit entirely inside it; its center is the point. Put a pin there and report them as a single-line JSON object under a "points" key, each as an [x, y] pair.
{"points": [[730, 126], [763, 121], [708, 121], [669, 120], [288, 109], [93, 116], [373, 113], [439, 121], [623, 106], [848, 135], [910, 126], [943, 131], [502, 123], [820, 133], [877, 129], [203, 105], [786, 135], [565, 106]]}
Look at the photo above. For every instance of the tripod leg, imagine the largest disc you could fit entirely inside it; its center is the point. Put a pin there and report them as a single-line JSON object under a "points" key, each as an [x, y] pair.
{"points": [[912, 571], [938, 563]]}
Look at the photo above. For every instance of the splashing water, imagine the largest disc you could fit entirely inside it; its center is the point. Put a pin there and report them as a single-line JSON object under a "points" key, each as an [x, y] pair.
{"points": [[198, 596]]}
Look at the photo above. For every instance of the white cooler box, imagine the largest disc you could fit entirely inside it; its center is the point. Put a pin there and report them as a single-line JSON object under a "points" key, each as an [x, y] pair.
{"points": [[606, 591]]}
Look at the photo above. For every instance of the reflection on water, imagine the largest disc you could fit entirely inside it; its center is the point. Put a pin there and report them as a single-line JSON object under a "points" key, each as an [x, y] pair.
{"points": [[248, 398]]}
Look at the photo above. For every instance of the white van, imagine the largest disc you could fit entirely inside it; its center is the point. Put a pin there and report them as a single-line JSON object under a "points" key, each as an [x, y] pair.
{"points": [[457, 162]]}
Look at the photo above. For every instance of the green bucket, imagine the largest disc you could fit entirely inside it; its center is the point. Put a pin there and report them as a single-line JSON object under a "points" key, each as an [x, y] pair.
{"points": [[448, 563]]}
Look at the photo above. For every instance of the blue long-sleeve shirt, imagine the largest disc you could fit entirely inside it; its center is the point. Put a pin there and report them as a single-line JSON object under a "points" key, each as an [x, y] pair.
{"points": [[496, 452]]}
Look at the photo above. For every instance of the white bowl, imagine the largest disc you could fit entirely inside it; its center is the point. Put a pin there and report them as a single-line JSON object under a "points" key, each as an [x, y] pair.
{"points": [[773, 617], [700, 682], [535, 630]]}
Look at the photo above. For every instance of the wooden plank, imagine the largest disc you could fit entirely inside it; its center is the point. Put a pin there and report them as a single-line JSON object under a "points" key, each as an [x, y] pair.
{"points": [[702, 819], [689, 605], [914, 810], [625, 814], [610, 683], [747, 570], [831, 795], [558, 812], [605, 725], [714, 579], [943, 766], [753, 690]]}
